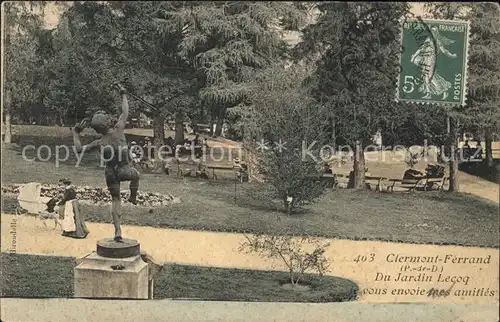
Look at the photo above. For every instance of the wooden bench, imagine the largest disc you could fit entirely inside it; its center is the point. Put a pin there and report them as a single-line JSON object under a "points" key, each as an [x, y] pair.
{"points": [[426, 183], [336, 176], [220, 167], [378, 181], [430, 182], [409, 184]]}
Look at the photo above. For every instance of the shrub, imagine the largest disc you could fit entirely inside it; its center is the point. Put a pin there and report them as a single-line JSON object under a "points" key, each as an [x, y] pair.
{"points": [[290, 251], [284, 130]]}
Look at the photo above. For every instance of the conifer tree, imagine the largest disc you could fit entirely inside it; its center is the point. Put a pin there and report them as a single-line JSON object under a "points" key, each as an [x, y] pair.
{"points": [[356, 45], [482, 113]]}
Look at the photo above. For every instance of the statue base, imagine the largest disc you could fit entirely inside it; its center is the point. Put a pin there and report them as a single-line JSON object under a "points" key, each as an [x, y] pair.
{"points": [[116, 270], [109, 248]]}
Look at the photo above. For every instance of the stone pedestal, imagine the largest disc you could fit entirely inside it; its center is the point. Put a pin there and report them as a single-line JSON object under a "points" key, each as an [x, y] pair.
{"points": [[116, 270]]}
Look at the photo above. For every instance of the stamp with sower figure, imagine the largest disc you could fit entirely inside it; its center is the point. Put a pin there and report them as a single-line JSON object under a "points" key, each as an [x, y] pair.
{"points": [[434, 62]]}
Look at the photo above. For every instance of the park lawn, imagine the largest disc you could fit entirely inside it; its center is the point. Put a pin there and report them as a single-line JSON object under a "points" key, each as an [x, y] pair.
{"points": [[52, 276], [421, 217]]}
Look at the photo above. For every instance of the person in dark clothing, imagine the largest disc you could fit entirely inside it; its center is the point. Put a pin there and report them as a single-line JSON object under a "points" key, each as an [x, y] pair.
{"points": [[70, 213], [466, 151], [196, 140], [478, 153], [69, 192], [170, 142]]}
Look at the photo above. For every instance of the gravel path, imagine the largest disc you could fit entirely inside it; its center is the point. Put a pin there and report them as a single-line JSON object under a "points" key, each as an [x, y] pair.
{"points": [[221, 250]]}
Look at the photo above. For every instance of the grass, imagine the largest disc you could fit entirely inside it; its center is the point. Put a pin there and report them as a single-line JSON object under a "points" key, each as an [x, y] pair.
{"points": [[51, 276], [35, 276], [211, 205]]}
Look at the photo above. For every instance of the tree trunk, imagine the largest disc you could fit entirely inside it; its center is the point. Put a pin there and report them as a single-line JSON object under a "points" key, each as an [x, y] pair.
{"points": [[488, 140], [359, 167], [288, 205], [7, 129], [220, 122], [179, 128], [453, 158], [7, 101], [211, 122], [334, 135], [158, 140]]}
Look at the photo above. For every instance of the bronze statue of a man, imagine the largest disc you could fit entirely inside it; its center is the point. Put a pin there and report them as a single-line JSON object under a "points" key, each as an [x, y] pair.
{"points": [[114, 151]]}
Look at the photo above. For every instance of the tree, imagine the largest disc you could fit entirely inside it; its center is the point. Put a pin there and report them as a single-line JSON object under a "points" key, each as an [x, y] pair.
{"points": [[483, 110], [181, 57], [79, 73], [413, 124], [282, 128], [21, 23], [121, 42], [170, 83], [358, 46], [484, 69], [224, 41]]}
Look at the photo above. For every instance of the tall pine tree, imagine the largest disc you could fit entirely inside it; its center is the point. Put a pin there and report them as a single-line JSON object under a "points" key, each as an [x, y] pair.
{"points": [[358, 46]]}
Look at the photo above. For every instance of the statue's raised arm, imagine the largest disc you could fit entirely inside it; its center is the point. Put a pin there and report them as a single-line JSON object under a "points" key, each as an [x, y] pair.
{"points": [[76, 130], [122, 121]]}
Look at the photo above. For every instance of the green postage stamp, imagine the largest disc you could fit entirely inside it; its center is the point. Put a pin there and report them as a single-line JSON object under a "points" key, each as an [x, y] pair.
{"points": [[433, 62]]}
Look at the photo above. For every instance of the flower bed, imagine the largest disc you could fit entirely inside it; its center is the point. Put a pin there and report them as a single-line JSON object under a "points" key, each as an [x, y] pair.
{"points": [[93, 195]]}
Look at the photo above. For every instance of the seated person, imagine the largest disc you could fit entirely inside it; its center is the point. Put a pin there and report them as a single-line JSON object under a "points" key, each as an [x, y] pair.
{"points": [[465, 151], [170, 142], [413, 174], [198, 147], [478, 151], [203, 174], [166, 168], [434, 171], [178, 150], [196, 140], [135, 159]]}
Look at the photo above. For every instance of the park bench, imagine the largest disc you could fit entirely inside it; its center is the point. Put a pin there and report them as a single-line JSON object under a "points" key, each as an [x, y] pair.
{"points": [[221, 167], [337, 176], [409, 184], [333, 178], [379, 182], [439, 183], [433, 177], [423, 183], [197, 167]]}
